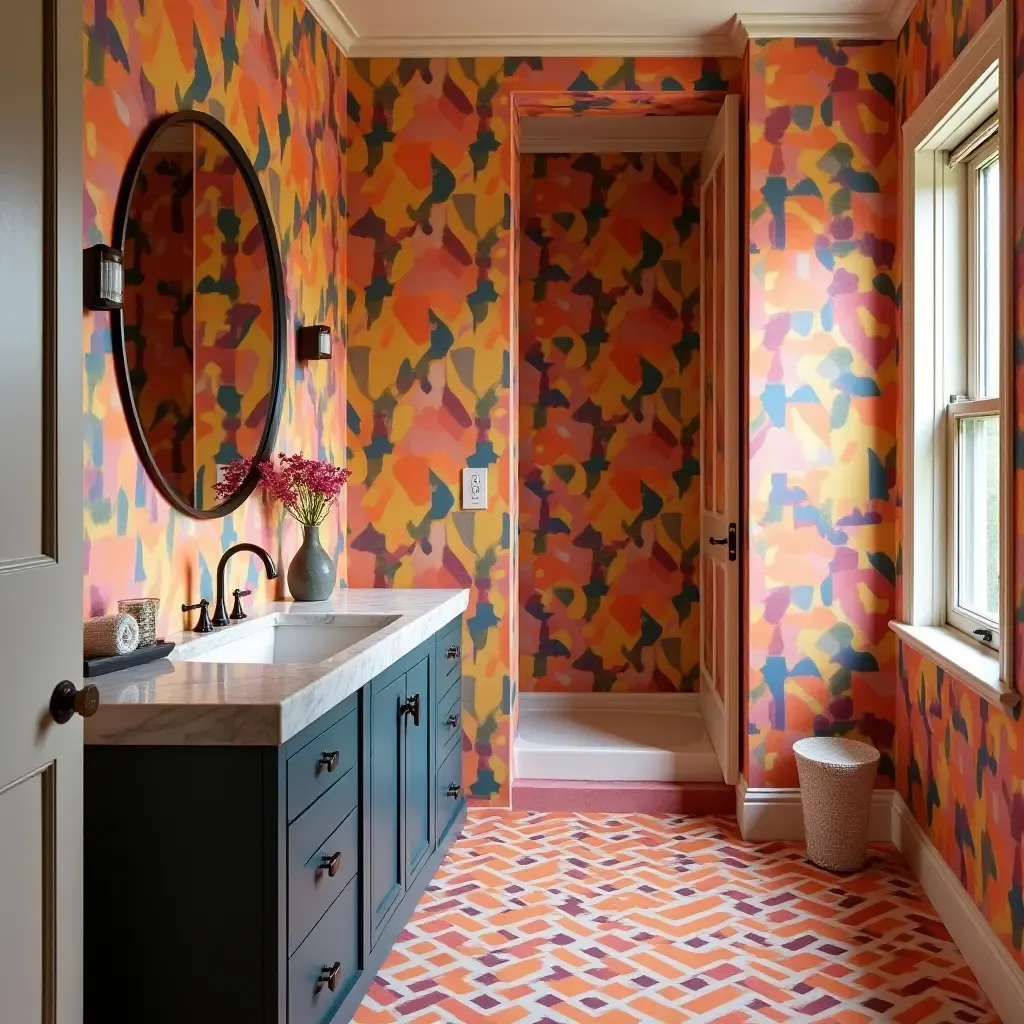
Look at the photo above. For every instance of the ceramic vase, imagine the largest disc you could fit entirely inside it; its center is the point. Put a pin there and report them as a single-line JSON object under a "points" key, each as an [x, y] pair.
{"points": [[312, 572]]}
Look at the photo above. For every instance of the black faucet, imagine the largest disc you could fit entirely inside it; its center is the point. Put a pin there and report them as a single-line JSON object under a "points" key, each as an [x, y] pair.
{"points": [[220, 615]]}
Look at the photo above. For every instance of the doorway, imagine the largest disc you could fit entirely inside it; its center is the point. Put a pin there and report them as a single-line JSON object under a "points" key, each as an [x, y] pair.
{"points": [[629, 412]]}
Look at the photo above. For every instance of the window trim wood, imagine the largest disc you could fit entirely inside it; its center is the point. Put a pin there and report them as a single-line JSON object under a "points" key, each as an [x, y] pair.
{"points": [[979, 84]]}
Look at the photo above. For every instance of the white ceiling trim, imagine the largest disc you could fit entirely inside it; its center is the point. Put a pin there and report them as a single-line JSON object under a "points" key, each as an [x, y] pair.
{"points": [[896, 16], [615, 133], [332, 17], [729, 42]]}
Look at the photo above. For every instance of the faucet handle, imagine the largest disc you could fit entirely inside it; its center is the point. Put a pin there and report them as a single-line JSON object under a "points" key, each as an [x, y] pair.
{"points": [[203, 625], [237, 612]]}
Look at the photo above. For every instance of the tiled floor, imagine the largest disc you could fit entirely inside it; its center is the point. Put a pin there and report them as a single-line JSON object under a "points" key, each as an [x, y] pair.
{"points": [[541, 917]]}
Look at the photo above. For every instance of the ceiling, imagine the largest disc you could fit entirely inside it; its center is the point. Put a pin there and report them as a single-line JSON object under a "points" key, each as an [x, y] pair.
{"points": [[427, 28]]}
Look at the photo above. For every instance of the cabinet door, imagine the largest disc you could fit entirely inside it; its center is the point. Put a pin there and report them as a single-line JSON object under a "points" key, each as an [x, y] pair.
{"points": [[418, 788], [384, 811]]}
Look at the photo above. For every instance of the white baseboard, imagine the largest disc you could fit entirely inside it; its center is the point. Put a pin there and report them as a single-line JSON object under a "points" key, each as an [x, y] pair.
{"points": [[679, 703], [998, 974], [776, 815]]}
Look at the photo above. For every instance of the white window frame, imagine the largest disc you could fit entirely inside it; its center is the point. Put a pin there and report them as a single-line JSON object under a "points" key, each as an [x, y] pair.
{"points": [[934, 356], [972, 404]]}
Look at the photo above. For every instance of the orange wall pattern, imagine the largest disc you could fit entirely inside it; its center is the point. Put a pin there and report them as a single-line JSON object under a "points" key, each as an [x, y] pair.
{"points": [[234, 318], [822, 369], [432, 351], [158, 316], [609, 413], [271, 74], [960, 760]]}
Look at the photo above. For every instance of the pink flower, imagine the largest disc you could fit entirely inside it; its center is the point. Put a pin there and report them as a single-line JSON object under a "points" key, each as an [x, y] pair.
{"points": [[307, 488]]}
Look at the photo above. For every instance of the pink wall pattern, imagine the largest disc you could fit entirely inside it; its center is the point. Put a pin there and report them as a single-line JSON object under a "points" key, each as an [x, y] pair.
{"points": [[822, 381], [609, 413], [960, 760], [270, 73], [432, 349]]}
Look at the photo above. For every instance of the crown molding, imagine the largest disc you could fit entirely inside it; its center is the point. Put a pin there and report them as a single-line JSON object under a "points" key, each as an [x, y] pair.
{"points": [[712, 45], [896, 16], [729, 42], [332, 18], [811, 26], [614, 133], [886, 24]]}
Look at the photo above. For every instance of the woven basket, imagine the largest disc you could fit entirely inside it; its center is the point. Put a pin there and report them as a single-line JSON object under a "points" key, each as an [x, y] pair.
{"points": [[836, 780]]}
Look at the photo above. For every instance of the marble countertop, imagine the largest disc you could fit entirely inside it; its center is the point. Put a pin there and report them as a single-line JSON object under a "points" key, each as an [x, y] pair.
{"points": [[180, 702]]}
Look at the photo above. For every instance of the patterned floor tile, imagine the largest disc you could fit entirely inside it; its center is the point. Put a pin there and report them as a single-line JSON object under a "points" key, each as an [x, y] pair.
{"points": [[546, 918]]}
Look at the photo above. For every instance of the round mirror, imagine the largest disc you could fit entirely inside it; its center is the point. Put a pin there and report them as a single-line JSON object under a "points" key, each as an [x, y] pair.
{"points": [[200, 342]]}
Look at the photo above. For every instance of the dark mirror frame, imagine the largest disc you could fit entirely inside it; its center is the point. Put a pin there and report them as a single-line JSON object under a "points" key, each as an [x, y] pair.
{"points": [[279, 366]]}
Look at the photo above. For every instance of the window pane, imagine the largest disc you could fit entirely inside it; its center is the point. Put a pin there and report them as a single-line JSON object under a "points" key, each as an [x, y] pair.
{"points": [[978, 532], [988, 208]]}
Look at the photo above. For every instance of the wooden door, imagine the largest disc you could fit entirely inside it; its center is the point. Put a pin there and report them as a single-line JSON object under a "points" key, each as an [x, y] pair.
{"points": [[40, 509], [720, 414], [383, 812], [417, 790]]}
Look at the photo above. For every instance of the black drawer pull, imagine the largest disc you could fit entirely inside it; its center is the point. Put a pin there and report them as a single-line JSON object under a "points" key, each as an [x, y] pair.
{"points": [[328, 760], [411, 707], [453, 652], [332, 865], [452, 721], [453, 790], [329, 976]]}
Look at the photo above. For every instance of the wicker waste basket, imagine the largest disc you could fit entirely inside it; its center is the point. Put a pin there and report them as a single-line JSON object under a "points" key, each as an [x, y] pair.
{"points": [[837, 777]]}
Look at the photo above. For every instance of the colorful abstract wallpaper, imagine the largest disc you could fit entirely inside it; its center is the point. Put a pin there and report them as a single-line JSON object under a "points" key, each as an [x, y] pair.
{"points": [[273, 76], [432, 353], [609, 414], [822, 397], [960, 760]]}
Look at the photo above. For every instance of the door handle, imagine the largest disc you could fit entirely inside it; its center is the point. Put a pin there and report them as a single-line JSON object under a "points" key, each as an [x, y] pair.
{"points": [[67, 700], [412, 707], [730, 540], [329, 975]]}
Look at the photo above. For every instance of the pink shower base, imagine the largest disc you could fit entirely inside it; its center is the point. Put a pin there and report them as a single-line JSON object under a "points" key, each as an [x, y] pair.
{"points": [[620, 797]]}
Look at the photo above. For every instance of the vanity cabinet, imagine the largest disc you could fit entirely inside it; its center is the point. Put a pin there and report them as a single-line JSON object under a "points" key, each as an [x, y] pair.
{"points": [[400, 787], [268, 884]]}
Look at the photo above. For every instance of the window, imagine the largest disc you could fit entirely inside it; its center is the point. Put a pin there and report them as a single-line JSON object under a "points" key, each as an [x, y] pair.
{"points": [[973, 430], [956, 369]]}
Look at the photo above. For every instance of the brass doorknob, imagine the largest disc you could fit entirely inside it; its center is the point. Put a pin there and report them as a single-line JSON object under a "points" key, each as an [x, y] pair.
{"points": [[67, 700]]}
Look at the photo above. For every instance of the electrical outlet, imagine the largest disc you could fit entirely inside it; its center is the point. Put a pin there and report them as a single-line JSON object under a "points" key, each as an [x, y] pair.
{"points": [[474, 488]]}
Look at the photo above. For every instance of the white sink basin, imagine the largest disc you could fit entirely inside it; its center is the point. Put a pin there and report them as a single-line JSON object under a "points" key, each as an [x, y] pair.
{"points": [[293, 641]]}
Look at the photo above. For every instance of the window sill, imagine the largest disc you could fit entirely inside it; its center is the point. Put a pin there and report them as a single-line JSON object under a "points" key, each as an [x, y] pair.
{"points": [[975, 666]]}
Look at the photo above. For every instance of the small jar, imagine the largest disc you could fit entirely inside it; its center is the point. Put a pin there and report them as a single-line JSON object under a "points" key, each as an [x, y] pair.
{"points": [[143, 610]]}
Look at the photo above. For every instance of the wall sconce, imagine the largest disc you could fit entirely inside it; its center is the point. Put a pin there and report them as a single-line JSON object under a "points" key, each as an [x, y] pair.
{"points": [[103, 285], [315, 342]]}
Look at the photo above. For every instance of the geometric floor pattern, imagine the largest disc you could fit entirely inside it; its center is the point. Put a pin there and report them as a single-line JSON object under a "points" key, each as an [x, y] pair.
{"points": [[624, 918]]}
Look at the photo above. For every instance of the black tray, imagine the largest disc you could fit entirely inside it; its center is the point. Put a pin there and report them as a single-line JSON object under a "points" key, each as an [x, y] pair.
{"points": [[116, 662]]}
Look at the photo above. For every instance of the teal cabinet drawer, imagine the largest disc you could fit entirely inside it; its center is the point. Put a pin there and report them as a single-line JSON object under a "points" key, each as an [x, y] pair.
{"points": [[449, 655], [326, 966], [316, 879], [449, 797], [449, 718], [321, 763]]}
